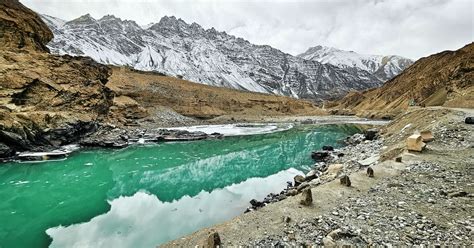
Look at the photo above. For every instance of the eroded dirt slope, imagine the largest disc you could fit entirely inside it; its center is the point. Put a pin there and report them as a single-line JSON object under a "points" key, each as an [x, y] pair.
{"points": [[201, 101], [443, 79]]}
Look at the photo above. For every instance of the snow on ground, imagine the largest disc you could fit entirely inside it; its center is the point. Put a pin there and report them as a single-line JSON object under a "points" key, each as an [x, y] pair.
{"points": [[238, 129]]}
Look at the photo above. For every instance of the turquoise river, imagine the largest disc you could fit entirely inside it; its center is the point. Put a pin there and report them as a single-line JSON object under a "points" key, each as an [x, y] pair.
{"points": [[145, 195]]}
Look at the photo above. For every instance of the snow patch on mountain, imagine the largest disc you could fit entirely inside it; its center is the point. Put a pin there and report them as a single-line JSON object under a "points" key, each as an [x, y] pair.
{"points": [[177, 48], [383, 67]]}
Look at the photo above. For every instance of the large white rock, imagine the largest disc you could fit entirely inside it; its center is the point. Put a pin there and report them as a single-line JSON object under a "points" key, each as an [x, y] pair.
{"points": [[415, 143]]}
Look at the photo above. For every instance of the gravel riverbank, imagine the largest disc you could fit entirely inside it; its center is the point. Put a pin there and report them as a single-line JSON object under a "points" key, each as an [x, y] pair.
{"points": [[413, 198]]}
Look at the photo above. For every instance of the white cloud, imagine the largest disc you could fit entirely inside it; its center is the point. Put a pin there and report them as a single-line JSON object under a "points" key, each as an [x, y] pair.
{"points": [[405, 27]]}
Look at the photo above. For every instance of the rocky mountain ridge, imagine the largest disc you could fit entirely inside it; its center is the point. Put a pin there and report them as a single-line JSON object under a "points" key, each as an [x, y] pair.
{"points": [[177, 48], [443, 79], [382, 67]]}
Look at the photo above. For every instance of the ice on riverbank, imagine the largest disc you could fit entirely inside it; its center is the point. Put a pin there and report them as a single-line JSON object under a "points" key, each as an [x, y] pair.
{"points": [[238, 129]]}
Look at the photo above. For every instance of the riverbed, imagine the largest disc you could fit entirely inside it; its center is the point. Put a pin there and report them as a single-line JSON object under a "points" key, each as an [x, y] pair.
{"points": [[145, 195]]}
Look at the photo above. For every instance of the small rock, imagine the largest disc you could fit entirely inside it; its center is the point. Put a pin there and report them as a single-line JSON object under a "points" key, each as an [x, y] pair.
{"points": [[328, 148], [299, 179], [458, 194], [370, 172], [371, 134], [312, 174], [369, 161], [302, 186], [398, 159], [345, 180], [292, 192], [213, 240], [427, 136], [334, 170], [286, 219], [469, 120], [328, 242], [319, 156], [307, 197], [315, 182], [256, 204], [355, 139]]}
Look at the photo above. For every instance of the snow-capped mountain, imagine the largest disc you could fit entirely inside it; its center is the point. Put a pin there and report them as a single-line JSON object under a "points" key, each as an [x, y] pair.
{"points": [[383, 67], [177, 48]]}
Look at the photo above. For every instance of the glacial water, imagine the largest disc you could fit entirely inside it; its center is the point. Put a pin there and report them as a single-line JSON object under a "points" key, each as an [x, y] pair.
{"points": [[143, 196]]}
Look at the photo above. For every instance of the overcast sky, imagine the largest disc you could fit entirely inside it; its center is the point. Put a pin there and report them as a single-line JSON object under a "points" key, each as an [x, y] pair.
{"points": [[411, 28]]}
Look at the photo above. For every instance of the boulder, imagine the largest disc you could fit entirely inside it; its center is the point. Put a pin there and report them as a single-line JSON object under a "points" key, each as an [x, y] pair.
{"points": [[355, 139], [469, 120], [328, 148], [306, 197], [315, 182], [286, 219], [328, 242], [319, 156], [213, 240], [369, 161], [312, 174], [371, 134], [256, 204], [415, 143], [345, 180], [334, 170], [299, 179], [458, 194], [426, 136], [6, 151], [302, 186], [370, 172], [292, 192], [14, 140]]}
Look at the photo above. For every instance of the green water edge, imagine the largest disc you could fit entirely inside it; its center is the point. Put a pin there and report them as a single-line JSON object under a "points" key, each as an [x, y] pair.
{"points": [[39, 196]]}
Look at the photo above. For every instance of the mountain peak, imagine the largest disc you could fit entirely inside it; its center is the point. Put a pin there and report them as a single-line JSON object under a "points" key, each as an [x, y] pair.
{"points": [[84, 19], [109, 17], [383, 67]]}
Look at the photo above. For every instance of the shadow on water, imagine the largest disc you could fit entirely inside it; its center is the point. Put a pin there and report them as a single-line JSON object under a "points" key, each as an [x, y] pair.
{"points": [[89, 183]]}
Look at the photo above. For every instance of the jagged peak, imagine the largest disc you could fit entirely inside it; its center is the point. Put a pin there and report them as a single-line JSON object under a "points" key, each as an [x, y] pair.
{"points": [[109, 17], [87, 18]]}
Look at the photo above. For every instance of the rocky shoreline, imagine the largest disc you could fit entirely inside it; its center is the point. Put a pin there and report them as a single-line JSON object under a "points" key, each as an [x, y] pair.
{"points": [[371, 192], [104, 136], [360, 151]]}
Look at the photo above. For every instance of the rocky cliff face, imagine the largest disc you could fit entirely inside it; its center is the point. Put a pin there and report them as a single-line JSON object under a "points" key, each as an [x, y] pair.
{"points": [[215, 58], [45, 100], [443, 79], [21, 27], [380, 66]]}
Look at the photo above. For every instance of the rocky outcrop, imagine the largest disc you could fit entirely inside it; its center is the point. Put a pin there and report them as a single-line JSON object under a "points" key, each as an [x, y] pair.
{"points": [[22, 28], [46, 100]]}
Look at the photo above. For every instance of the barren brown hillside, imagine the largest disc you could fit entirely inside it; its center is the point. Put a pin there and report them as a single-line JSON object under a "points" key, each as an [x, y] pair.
{"points": [[151, 90], [443, 79]]}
